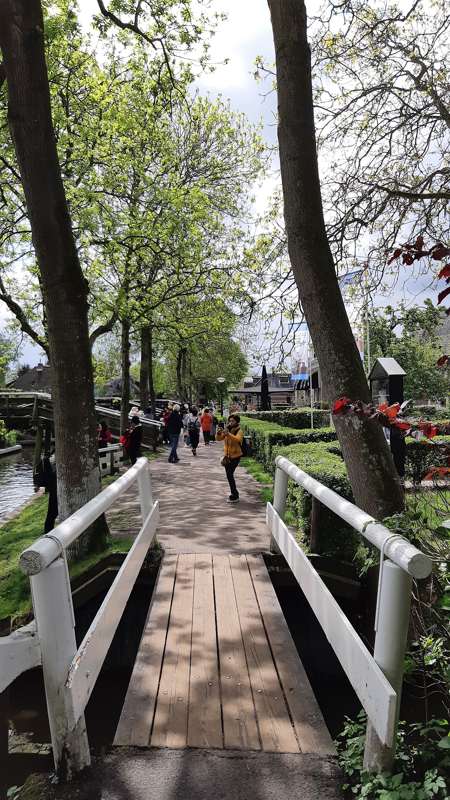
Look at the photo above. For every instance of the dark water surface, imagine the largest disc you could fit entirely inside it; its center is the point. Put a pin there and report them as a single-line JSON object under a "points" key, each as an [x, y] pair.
{"points": [[16, 480]]}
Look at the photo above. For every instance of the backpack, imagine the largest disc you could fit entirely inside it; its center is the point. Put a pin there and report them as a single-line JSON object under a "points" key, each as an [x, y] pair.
{"points": [[193, 425], [246, 447]]}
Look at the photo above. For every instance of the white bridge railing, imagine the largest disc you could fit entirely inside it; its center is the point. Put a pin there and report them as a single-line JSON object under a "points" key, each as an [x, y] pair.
{"points": [[377, 679], [69, 672]]}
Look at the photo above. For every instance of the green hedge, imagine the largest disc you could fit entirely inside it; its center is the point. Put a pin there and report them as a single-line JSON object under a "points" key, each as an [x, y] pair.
{"points": [[322, 462], [421, 456], [267, 435], [298, 418], [429, 412]]}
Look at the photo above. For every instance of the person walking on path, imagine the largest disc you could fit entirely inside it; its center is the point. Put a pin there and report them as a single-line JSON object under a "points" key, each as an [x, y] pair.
{"points": [[232, 437], [193, 429], [134, 439], [165, 420], [174, 428], [215, 422], [206, 422]]}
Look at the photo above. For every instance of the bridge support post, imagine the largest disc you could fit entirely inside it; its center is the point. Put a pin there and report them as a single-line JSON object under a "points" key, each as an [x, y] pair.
{"points": [[390, 644], [145, 492], [55, 622], [279, 501]]}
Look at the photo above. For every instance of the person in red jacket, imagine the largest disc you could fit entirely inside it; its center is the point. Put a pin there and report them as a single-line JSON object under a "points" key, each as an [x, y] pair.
{"points": [[104, 435], [206, 422]]}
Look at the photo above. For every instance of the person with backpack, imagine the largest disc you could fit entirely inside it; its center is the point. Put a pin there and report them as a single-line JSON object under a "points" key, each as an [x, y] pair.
{"points": [[233, 438], [193, 430]]}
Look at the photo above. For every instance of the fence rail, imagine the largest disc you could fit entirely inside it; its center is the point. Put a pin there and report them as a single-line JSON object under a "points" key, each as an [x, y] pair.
{"points": [[69, 672], [377, 679]]}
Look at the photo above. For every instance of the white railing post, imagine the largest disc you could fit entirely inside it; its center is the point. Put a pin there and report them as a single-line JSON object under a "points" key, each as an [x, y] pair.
{"points": [[279, 500], [53, 610], [389, 652], [145, 491]]}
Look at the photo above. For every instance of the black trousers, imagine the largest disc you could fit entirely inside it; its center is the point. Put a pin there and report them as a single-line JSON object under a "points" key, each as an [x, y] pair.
{"points": [[230, 470], [52, 511], [206, 436]]}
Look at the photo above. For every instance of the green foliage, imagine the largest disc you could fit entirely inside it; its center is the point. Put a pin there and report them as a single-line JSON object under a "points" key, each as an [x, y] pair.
{"points": [[431, 413], [320, 460], [422, 455], [410, 336], [265, 436], [7, 438], [299, 418], [8, 353], [421, 764], [18, 534]]}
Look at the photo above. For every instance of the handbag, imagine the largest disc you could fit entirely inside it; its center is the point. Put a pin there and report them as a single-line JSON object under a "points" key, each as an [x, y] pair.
{"points": [[225, 461]]}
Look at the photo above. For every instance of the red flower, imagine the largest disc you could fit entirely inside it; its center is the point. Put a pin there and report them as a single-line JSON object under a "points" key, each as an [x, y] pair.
{"points": [[340, 405], [445, 272]]}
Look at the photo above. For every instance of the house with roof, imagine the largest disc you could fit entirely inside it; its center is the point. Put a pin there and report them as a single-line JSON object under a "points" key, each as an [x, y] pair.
{"points": [[281, 391]]}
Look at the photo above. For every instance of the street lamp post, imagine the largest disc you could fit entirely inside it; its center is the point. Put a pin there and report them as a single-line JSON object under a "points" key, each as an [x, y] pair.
{"points": [[221, 381]]}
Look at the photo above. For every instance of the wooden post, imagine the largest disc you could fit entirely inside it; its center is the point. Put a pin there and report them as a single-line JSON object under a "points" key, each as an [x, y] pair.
{"points": [[145, 492], [37, 448], [389, 653], [53, 610], [314, 536], [279, 500]]}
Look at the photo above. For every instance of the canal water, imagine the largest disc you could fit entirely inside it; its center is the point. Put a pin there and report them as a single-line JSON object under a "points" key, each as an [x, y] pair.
{"points": [[16, 480]]}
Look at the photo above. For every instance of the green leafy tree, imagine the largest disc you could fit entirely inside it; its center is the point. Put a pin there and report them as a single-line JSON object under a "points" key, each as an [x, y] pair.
{"points": [[410, 336]]}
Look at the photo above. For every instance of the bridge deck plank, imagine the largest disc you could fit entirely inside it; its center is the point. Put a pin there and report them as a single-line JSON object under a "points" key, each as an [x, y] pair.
{"points": [[137, 714], [171, 715], [217, 667], [312, 733], [205, 722], [275, 728]]}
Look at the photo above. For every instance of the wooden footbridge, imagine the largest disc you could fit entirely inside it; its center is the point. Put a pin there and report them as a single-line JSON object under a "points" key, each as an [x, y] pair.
{"points": [[35, 409], [217, 669]]}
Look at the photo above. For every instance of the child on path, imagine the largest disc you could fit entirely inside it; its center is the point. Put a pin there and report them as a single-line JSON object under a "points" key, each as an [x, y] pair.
{"points": [[232, 437]]}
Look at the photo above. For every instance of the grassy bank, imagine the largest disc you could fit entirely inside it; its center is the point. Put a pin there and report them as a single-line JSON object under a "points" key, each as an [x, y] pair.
{"points": [[18, 534]]}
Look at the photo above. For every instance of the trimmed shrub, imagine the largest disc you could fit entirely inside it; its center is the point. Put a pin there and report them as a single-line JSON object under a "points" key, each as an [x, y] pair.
{"points": [[322, 461], [267, 435], [7, 438], [298, 418], [429, 412], [421, 456]]}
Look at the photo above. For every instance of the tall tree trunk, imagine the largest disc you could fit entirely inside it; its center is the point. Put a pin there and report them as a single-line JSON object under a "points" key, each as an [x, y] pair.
{"points": [[179, 372], [64, 287], [144, 368], [151, 381], [125, 358], [371, 470]]}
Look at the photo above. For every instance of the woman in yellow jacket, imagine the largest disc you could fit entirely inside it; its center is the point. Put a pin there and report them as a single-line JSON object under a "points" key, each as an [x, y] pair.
{"points": [[232, 436]]}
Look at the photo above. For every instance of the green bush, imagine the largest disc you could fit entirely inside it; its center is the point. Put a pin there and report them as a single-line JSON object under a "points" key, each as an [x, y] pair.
{"points": [[267, 435], [7, 438], [421, 456], [318, 460], [422, 762], [429, 412], [298, 418]]}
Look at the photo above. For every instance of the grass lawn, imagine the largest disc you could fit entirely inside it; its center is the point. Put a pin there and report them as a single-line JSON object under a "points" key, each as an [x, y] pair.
{"points": [[18, 534], [257, 471]]}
